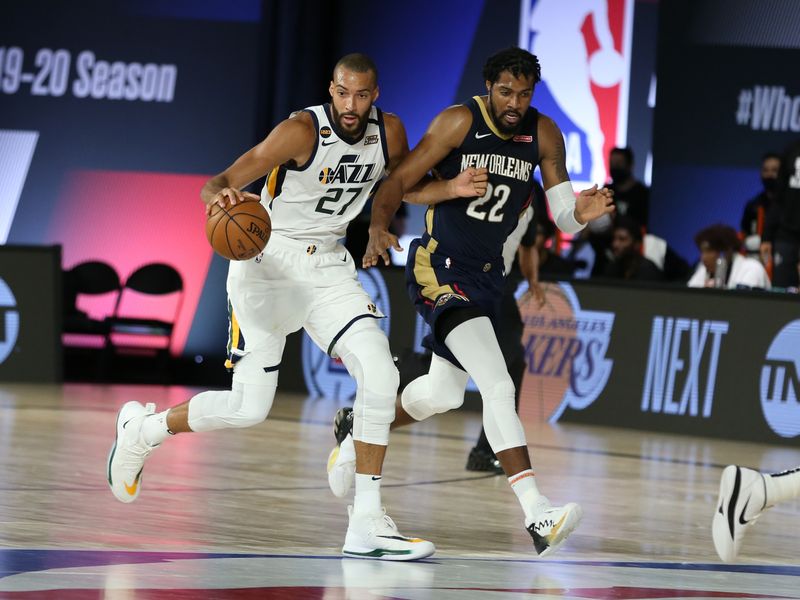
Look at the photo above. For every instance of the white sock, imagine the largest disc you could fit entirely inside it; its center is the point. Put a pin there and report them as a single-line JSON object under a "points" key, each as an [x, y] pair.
{"points": [[782, 486], [524, 486], [368, 494], [154, 428]]}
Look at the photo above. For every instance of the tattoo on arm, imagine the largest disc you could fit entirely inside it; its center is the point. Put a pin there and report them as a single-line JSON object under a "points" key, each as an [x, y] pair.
{"points": [[560, 159]]}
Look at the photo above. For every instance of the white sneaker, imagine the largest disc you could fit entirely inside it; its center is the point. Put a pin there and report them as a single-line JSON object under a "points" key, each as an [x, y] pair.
{"points": [[129, 451], [742, 499], [551, 527], [376, 536], [342, 467]]}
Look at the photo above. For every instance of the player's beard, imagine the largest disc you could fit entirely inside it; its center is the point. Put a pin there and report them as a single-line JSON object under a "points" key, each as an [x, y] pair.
{"points": [[497, 118], [360, 125]]}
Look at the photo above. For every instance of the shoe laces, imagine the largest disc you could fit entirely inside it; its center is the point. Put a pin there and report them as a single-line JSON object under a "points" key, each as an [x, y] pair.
{"points": [[382, 524]]}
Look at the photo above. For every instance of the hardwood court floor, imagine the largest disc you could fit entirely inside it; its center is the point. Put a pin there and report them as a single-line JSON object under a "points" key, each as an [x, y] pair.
{"points": [[250, 509]]}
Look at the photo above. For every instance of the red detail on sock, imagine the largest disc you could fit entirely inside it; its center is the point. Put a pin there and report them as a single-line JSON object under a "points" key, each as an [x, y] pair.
{"points": [[520, 476]]}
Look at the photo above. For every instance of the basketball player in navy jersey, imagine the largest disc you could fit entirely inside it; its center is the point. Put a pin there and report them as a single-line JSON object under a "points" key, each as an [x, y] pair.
{"points": [[455, 271], [323, 163]]}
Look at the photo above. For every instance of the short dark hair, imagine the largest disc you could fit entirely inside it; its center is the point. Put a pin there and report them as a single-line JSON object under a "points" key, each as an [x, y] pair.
{"points": [[719, 237], [633, 227], [517, 61], [626, 152], [360, 63], [767, 155]]}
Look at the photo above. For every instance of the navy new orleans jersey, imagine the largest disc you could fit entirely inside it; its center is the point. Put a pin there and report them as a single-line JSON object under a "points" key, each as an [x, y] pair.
{"points": [[458, 262], [478, 227]]}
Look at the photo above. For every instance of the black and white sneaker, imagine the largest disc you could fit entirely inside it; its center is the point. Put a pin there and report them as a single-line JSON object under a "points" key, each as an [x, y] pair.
{"points": [[742, 499]]}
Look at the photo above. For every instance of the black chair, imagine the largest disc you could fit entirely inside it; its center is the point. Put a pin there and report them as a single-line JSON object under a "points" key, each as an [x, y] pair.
{"points": [[144, 319], [90, 278]]}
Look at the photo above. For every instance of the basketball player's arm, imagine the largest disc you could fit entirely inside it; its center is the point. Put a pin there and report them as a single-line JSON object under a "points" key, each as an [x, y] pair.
{"points": [[292, 140], [445, 133], [469, 183], [529, 266], [570, 214]]}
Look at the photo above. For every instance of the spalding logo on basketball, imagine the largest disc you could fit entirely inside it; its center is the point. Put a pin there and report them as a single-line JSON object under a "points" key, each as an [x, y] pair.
{"points": [[239, 232]]}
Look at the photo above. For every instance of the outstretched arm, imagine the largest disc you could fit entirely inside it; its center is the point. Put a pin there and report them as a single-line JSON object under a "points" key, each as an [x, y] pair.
{"points": [[569, 214], [445, 133], [292, 140]]}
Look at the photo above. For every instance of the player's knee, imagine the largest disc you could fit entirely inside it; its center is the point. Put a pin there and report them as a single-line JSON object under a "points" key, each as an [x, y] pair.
{"points": [[447, 399], [255, 391], [421, 399], [499, 394], [255, 405], [365, 352]]}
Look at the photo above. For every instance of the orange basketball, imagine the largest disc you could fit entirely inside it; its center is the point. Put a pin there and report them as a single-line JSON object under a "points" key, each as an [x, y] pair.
{"points": [[238, 232]]}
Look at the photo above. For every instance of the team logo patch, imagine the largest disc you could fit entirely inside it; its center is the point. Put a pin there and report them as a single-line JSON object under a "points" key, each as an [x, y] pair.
{"points": [[370, 139], [527, 139], [445, 298], [325, 132]]}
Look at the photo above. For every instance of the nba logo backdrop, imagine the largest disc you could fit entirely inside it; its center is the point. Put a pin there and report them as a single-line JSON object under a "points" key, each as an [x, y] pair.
{"points": [[584, 47]]}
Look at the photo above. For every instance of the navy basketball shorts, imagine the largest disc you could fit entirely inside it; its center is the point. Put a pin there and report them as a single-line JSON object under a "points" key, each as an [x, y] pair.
{"points": [[438, 282]]}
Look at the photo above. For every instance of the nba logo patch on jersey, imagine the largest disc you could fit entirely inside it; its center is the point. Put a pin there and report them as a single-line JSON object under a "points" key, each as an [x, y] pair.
{"points": [[325, 132], [584, 49]]}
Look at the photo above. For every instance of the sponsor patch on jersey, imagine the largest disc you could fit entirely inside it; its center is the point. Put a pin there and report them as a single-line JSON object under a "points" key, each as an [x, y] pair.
{"points": [[372, 308], [527, 139], [370, 139], [445, 298], [325, 132]]}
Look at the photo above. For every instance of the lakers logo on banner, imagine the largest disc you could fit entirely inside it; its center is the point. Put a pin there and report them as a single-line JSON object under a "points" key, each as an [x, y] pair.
{"points": [[565, 354]]}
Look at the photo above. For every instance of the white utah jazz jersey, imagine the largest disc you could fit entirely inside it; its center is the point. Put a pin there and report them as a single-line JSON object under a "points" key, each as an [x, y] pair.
{"points": [[316, 201]]}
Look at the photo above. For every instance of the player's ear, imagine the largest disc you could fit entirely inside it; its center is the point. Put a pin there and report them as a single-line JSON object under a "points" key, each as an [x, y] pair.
{"points": [[375, 93], [488, 86], [331, 88]]}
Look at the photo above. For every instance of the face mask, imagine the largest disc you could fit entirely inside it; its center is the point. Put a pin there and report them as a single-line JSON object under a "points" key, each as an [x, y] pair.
{"points": [[769, 183], [619, 175]]}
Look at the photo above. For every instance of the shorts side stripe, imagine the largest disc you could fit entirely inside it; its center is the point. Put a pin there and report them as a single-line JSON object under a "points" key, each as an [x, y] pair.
{"points": [[426, 276]]}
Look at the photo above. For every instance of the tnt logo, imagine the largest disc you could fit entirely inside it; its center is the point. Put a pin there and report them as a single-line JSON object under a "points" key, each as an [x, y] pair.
{"points": [[584, 50], [9, 321], [780, 382]]}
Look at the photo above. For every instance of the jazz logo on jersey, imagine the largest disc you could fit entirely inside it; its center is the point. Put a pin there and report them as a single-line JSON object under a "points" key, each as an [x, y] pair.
{"points": [[584, 49], [348, 170]]}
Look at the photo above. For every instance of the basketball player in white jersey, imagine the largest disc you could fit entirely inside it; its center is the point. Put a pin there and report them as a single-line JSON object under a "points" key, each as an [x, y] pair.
{"points": [[323, 163]]}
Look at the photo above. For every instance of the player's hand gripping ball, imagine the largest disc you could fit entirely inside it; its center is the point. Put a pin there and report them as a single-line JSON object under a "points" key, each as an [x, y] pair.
{"points": [[238, 232]]}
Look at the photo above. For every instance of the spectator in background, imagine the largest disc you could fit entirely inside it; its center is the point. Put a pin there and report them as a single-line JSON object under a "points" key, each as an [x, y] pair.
{"points": [[628, 262], [781, 237], [722, 242], [631, 197], [757, 208]]}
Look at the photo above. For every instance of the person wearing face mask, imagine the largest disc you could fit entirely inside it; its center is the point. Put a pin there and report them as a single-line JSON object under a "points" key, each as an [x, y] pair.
{"points": [[781, 237], [632, 197], [757, 208]]}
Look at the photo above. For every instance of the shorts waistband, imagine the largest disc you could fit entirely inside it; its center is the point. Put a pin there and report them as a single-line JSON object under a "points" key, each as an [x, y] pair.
{"points": [[301, 246]]}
